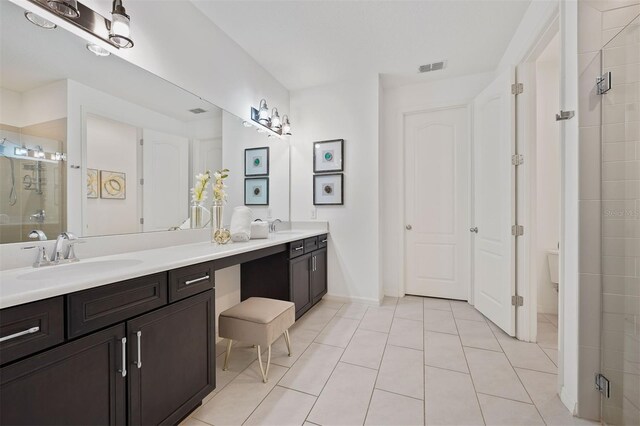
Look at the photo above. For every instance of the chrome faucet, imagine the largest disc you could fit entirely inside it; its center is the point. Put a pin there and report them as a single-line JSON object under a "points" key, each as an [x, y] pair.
{"points": [[57, 249], [272, 225]]}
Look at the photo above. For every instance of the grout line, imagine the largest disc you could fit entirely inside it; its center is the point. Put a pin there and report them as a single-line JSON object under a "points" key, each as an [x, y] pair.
{"points": [[511, 399], [399, 394], [288, 368], [334, 367], [520, 380], [448, 369], [473, 383], [296, 390], [384, 351], [356, 365]]}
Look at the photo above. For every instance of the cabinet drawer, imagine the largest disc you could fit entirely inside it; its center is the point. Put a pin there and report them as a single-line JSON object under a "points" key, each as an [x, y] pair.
{"points": [[29, 328], [322, 240], [190, 280], [296, 249], [310, 244], [99, 307]]}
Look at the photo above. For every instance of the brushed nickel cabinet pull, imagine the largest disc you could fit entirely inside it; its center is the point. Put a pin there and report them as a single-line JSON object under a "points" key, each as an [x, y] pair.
{"points": [[197, 280], [20, 334], [138, 363], [124, 357]]}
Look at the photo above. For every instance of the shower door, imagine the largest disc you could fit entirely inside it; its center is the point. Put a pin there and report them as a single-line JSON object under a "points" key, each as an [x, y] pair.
{"points": [[620, 341]]}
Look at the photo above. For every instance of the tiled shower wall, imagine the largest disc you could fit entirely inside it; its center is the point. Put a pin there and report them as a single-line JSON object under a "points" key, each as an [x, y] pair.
{"points": [[620, 354], [599, 21]]}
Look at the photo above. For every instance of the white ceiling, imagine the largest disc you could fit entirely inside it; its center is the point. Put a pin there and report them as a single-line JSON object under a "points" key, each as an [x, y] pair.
{"points": [[306, 43]]}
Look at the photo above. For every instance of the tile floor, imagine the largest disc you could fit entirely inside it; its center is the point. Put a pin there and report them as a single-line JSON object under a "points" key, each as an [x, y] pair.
{"points": [[411, 361]]}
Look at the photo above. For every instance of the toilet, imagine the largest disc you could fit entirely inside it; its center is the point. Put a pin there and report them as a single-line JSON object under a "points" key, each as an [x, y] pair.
{"points": [[554, 268]]}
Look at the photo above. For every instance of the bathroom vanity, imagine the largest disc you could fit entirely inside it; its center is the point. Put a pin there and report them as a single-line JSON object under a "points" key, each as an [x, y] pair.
{"points": [[140, 349]]}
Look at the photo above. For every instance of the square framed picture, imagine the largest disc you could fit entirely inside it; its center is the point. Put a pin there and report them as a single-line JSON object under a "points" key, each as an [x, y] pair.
{"points": [[328, 156], [256, 191], [328, 190], [93, 183], [113, 185], [256, 161]]}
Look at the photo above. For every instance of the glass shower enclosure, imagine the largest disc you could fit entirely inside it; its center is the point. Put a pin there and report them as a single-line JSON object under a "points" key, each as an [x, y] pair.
{"points": [[620, 188]]}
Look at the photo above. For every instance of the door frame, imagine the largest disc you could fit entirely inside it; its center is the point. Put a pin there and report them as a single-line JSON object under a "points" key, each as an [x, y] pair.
{"points": [[526, 213], [428, 108]]}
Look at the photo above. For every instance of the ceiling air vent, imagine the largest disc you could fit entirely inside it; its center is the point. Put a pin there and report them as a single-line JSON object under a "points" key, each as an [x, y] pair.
{"points": [[432, 67], [197, 110]]}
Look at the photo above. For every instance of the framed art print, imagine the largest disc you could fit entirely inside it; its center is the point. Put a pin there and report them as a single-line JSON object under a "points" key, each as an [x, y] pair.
{"points": [[256, 161], [93, 183], [328, 190], [113, 185], [328, 156], [256, 191]]}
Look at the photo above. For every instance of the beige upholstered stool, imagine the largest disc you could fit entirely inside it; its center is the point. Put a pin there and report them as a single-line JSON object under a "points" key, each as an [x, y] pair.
{"points": [[258, 321]]}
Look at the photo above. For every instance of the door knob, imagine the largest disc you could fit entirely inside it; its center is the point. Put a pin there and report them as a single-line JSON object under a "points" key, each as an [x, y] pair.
{"points": [[474, 230], [409, 227]]}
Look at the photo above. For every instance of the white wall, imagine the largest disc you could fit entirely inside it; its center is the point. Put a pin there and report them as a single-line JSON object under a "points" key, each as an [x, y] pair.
{"points": [[548, 178], [38, 105], [235, 139], [112, 146], [415, 97], [349, 111]]}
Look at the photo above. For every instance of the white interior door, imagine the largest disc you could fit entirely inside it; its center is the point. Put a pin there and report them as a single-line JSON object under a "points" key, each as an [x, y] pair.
{"points": [[494, 202], [437, 203], [166, 180]]}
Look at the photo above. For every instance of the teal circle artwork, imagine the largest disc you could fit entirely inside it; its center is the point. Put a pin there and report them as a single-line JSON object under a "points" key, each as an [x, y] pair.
{"points": [[328, 156]]}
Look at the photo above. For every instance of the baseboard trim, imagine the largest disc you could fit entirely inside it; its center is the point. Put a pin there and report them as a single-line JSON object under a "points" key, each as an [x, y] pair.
{"points": [[351, 299]]}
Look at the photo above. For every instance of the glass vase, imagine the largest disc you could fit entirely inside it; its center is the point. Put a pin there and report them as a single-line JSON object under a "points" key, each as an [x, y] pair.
{"points": [[219, 234], [196, 214]]}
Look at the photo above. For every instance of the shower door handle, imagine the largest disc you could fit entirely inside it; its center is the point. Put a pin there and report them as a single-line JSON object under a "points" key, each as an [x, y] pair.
{"points": [[474, 230]]}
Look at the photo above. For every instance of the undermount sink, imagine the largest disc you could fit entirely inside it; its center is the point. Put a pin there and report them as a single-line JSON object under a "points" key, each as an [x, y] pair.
{"points": [[82, 267]]}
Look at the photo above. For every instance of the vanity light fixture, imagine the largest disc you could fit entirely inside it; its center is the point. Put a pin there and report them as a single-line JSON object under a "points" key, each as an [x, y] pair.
{"points": [[263, 113], [247, 124], [67, 8], [39, 21], [276, 124], [286, 126], [97, 50], [120, 31], [269, 123]]}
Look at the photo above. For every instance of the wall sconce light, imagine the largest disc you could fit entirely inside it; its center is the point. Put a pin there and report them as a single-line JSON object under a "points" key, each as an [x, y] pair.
{"points": [[97, 50], [66, 8], [269, 123], [120, 31], [263, 113], [286, 126], [115, 31], [276, 124]]}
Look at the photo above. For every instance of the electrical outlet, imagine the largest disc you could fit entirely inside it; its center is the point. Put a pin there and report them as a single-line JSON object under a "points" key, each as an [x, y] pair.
{"points": [[313, 213], [269, 215]]}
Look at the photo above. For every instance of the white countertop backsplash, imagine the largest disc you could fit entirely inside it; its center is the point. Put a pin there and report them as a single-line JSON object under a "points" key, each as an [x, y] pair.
{"points": [[154, 252]]}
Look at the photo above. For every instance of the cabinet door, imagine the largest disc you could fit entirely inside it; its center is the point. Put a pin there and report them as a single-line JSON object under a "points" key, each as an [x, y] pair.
{"points": [[318, 275], [80, 383], [299, 277], [172, 360]]}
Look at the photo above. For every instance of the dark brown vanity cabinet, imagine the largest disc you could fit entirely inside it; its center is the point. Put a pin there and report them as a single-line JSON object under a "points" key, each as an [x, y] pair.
{"points": [[140, 360], [171, 368], [300, 283], [296, 272], [308, 273], [318, 281], [79, 383]]}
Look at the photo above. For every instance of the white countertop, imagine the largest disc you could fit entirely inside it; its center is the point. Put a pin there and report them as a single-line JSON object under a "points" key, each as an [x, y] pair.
{"points": [[17, 286]]}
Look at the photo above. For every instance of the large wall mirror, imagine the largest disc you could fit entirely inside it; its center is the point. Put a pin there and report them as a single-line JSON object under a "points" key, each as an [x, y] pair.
{"points": [[97, 146]]}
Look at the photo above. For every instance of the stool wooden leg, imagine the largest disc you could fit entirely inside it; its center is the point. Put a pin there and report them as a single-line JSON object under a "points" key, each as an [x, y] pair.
{"points": [[265, 373], [288, 341], [227, 356]]}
